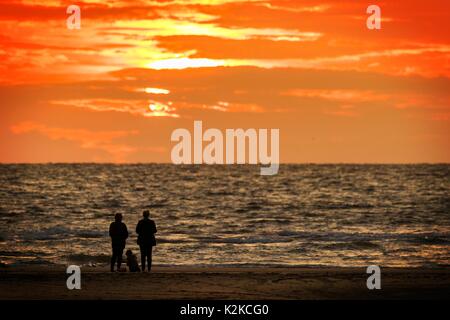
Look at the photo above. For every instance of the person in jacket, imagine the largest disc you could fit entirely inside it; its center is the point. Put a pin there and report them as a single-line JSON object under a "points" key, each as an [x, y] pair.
{"points": [[119, 234], [146, 229]]}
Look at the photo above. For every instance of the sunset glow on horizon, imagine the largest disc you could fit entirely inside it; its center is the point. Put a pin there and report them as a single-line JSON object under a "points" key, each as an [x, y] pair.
{"points": [[114, 90]]}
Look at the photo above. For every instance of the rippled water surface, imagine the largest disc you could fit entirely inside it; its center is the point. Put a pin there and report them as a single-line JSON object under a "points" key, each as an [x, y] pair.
{"points": [[335, 215]]}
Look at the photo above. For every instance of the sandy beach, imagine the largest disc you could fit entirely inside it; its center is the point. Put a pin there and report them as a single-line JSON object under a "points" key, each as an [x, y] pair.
{"points": [[225, 283]]}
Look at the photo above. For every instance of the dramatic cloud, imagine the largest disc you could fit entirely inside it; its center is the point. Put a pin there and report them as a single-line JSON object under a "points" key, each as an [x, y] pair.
{"points": [[101, 140], [136, 70]]}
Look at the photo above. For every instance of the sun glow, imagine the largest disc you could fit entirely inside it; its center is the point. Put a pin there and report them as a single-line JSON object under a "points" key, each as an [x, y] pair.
{"points": [[183, 63], [158, 109], [156, 91]]}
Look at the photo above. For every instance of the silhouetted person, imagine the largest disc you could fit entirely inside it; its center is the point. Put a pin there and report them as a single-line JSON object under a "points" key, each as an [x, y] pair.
{"points": [[118, 233], [146, 229]]}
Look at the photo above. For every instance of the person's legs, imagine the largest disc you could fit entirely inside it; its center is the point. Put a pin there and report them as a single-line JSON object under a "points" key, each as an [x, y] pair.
{"points": [[119, 257], [141, 247], [149, 257], [113, 258]]}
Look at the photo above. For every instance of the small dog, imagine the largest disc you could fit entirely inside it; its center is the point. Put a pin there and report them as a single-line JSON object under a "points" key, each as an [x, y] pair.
{"points": [[132, 262]]}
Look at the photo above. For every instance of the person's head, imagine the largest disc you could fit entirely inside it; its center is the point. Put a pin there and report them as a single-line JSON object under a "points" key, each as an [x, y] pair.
{"points": [[146, 213], [118, 217], [129, 253]]}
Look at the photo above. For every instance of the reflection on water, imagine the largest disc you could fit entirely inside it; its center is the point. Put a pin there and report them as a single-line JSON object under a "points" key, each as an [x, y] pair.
{"points": [[345, 215]]}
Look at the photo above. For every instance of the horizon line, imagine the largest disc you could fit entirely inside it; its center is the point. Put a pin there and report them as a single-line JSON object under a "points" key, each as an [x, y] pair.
{"points": [[228, 164]]}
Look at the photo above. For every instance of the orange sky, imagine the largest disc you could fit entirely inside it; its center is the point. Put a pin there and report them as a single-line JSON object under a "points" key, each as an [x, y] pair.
{"points": [[114, 90]]}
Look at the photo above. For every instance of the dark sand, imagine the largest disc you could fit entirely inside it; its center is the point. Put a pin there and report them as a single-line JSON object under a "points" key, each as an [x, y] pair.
{"points": [[225, 283]]}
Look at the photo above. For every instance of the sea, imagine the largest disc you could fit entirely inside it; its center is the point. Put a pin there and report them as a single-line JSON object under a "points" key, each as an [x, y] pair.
{"points": [[309, 215]]}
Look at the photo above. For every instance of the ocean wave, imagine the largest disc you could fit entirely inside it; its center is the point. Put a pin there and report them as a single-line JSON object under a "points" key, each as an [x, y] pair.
{"points": [[112, 203], [418, 238], [430, 239], [11, 253], [61, 233], [156, 205], [354, 245], [26, 262], [90, 234], [35, 210], [219, 193], [243, 240], [165, 240], [84, 258], [343, 206]]}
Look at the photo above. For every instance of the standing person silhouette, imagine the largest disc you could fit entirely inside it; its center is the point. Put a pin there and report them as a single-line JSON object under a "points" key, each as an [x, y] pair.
{"points": [[118, 233], [146, 229]]}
